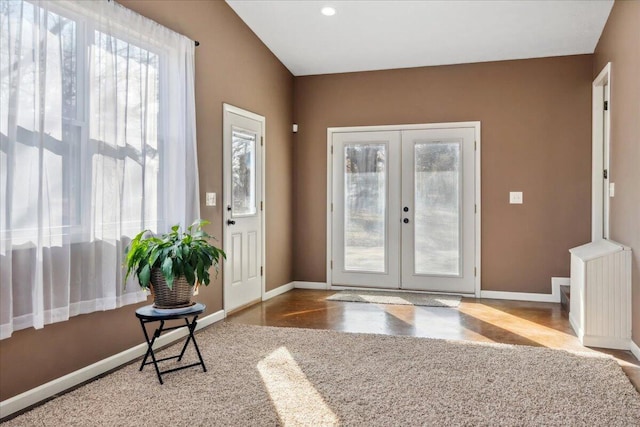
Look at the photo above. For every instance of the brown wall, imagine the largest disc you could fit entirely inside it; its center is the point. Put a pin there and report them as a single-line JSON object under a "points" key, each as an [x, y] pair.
{"points": [[536, 138], [233, 66], [620, 45]]}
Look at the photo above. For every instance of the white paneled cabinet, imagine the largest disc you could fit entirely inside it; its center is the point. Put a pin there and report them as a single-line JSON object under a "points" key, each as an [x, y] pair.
{"points": [[600, 304]]}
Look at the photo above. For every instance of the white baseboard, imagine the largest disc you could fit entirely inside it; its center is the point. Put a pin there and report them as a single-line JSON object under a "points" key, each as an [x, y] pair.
{"points": [[206, 321], [519, 296], [554, 296], [277, 291], [635, 349], [574, 325], [322, 286], [556, 282], [59, 385]]}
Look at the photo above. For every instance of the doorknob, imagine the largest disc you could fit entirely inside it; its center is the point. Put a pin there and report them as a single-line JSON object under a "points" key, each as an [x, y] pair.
{"points": [[406, 220], [230, 222]]}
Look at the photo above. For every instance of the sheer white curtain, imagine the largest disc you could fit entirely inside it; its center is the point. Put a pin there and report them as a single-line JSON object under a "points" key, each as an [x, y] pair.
{"points": [[97, 128]]}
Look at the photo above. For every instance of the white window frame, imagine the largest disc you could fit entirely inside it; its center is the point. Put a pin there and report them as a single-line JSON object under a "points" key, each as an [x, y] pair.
{"points": [[78, 231]]}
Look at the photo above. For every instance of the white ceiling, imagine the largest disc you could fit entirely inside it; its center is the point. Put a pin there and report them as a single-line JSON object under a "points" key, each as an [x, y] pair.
{"points": [[383, 34]]}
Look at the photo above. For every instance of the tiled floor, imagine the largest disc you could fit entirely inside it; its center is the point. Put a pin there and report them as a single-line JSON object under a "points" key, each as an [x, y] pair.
{"points": [[510, 322]]}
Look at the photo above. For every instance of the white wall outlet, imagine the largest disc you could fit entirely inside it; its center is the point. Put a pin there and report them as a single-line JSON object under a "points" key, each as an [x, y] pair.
{"points": [[612, 189], [515, 197], [211, 199]]}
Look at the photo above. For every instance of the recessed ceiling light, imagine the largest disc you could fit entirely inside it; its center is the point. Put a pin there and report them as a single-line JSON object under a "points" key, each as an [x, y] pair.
{"points": [[328, 11]]}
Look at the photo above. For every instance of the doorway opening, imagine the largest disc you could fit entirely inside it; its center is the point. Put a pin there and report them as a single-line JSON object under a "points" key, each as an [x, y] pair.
{"points": [[403, 207], [601, 189]]}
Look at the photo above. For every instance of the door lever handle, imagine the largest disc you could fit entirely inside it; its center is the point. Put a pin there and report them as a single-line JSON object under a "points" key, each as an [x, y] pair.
{"points": [[230, 222]]}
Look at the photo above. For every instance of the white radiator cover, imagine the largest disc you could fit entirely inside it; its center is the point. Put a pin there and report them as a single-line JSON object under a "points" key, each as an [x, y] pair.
{"points": [[600, 304]]}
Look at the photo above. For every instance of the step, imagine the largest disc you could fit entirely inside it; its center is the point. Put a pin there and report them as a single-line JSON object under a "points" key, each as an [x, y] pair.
{"points": [[565, 295]]}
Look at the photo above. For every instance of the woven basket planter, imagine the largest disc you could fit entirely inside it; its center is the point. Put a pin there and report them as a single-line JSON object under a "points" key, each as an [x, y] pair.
{"points": [[179, 296]]}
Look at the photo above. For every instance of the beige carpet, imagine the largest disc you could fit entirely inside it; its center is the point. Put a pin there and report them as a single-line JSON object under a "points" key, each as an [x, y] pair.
{"points": [[401, 298], [267, 376]]}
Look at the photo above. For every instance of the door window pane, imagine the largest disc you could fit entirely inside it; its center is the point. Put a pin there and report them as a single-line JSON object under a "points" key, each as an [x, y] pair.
{"points": [[365, 206], [243, 173], [437, 208]]}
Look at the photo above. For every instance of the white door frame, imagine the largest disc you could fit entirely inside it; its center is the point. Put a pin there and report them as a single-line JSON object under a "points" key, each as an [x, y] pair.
{"points": [[228, 108], [600, 144], [330, 132]]}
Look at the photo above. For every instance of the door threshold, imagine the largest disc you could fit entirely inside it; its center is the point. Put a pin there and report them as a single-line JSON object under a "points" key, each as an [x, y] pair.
{"points": [[413, 291]]}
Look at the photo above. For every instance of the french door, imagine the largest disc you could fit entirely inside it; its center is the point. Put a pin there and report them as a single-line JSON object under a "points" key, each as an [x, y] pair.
{"points": [[403, 209]]}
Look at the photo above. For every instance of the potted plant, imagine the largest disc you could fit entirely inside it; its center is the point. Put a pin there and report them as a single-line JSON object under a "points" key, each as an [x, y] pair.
{"points": [[173, 264]]}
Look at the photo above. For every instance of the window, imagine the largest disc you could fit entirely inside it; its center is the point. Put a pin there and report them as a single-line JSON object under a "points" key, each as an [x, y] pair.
{"points": [[97, 127]]}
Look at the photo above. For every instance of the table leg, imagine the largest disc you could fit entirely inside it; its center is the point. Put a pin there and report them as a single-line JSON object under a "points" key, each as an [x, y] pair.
{"points": [[146, 338], [192, 328], [186, 343], [150, 352]]}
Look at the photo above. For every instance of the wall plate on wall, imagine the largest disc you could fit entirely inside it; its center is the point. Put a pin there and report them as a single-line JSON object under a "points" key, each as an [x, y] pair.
{"points": [[515, 197]]}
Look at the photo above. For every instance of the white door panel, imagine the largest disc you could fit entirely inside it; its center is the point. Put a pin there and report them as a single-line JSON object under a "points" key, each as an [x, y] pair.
{"points": [[366, 178], [438, 192], [242, 151]]}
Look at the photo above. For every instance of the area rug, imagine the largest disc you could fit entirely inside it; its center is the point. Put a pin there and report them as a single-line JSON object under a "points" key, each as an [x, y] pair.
{"points": [[266, 376], [401, 298]]}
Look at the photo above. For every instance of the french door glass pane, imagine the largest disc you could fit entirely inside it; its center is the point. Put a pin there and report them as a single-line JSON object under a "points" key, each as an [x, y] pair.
{"points": [[365, 206], [437, 208], [243, 173]]}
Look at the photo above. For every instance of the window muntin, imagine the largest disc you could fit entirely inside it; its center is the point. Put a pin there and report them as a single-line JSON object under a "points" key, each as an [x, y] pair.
{"points": [[82, 156]]}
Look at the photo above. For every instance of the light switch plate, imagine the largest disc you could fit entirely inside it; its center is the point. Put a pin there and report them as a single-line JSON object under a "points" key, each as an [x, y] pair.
{"points": [[612, 189], [211, 199], [515, 197]]}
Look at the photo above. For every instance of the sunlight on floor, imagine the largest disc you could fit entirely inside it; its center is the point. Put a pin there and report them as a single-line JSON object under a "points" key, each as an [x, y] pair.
{"points": [[446, 323], [544, 335], [294, 397]]}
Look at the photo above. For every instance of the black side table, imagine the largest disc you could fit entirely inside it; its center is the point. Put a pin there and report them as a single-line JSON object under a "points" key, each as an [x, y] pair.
{"points": [[148, 314]]}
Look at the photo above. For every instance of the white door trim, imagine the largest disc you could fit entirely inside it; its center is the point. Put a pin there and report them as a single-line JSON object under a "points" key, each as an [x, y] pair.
{"points": [[600, 143], [332, 130], [228, 108]]}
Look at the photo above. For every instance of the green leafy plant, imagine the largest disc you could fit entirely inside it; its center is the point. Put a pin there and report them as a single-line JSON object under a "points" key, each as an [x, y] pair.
{"points": [[175, 253]]}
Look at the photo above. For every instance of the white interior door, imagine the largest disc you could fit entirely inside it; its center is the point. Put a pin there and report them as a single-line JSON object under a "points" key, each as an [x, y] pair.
{"points": [[403, 209], [242, 151], [438, 203]]}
